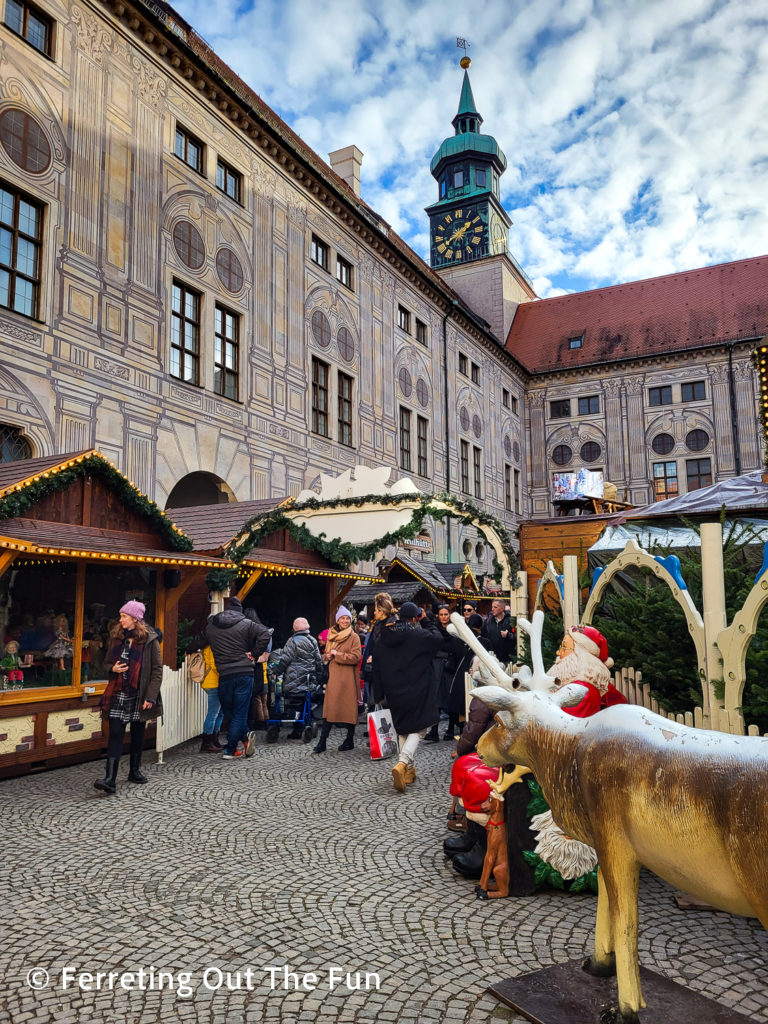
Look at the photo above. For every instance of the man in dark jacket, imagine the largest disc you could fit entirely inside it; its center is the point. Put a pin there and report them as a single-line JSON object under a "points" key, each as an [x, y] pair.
{"points": [[499, 633], [405, 678], [300, 665], [235, 642]]}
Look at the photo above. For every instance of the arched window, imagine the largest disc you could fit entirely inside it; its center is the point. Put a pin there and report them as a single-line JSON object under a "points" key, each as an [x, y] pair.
{"points": [[13, 445]]}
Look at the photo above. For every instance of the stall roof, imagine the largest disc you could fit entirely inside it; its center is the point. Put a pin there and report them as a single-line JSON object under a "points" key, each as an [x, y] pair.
{"points": [[364, 593], [212, 527], [745, 493]]}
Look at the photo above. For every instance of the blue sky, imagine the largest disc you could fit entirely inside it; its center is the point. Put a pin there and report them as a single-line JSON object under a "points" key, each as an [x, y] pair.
{"points": [[635, 130]]}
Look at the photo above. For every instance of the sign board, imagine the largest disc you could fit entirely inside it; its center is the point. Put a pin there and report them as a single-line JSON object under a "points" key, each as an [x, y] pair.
{"points": [[586, 483], [420, 543]]}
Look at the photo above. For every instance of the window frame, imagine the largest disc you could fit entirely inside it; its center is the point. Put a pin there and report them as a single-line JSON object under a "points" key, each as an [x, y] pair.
{"points": [[344, 272], [189, 137], [586, 404], [235, 175], [516, 491], [576, 342], [464, 466], [505, 396], [463, 364], [560, 409], [667, 492], [422, 446], [421, 333], [657, 396], [477, 470], [181, 317], [699, 475], [345, 385], [403, 319], [693, 385], [19, 196], [48, 22], [319, 251], [507, 487], [222, 343], [474, 370], [404, 431], [515, 405], [320, 390]]}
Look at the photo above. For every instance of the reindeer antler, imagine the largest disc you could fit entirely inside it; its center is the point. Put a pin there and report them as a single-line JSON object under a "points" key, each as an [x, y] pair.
{"points": [[460, 629], [539, 680]]}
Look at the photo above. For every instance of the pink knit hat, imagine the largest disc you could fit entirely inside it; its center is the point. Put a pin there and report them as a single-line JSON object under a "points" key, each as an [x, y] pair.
{"points": [[133, 608]]}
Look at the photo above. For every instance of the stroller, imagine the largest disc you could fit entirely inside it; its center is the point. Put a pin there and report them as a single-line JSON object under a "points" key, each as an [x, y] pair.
{"points": [[301, 708]]}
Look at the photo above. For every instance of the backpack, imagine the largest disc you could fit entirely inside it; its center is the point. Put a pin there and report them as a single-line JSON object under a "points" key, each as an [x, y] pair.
{"points": [[196, 666]]}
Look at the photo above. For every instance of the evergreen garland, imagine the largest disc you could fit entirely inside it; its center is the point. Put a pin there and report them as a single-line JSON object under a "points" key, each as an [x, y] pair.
{"points": [[16, 503], [221, 579], [341, 553], [544, 873]]}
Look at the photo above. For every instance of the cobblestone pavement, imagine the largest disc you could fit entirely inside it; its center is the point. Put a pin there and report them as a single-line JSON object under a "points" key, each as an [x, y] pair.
{"points": [[299, 862]]}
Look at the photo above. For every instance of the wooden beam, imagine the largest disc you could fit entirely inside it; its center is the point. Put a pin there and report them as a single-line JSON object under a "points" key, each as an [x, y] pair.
{"points": [[337, 600], [77, 633], [249, 584], [160, 605], [6, 560]]}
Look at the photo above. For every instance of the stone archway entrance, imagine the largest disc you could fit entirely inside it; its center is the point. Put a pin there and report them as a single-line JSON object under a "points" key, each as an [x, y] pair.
{"points": [[200, 488]]}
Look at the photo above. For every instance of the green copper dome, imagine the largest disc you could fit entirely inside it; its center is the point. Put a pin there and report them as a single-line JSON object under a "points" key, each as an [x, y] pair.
{"points": [[469, 142]]}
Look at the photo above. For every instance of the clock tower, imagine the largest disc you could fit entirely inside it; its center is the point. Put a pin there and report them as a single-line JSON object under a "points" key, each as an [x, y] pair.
{"points": [[468, 221]]}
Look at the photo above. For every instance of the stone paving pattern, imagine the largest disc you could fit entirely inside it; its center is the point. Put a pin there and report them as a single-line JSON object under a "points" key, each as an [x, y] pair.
{"points": [[301, 860]]}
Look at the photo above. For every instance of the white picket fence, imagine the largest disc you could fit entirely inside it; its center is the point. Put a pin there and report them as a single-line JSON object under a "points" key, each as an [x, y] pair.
{"points": [[184, 709]]}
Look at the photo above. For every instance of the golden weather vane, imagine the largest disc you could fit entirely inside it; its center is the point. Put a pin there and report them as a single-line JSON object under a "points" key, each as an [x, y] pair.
{"points": [[463, 45]]}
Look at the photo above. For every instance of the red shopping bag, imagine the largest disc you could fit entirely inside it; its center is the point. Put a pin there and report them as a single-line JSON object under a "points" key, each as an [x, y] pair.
{"points": [[381, 734]]}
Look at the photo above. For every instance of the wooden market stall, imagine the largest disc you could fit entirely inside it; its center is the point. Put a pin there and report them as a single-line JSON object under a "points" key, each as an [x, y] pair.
{"points": [[410, 579], [77, 540]]}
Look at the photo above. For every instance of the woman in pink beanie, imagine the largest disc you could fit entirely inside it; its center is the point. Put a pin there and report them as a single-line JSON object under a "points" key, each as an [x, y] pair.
{"points": [[342, 655], [132, 696]]}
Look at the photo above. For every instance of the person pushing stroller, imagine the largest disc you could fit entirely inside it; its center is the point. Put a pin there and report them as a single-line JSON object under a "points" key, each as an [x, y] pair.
{"points": [[301, 666]]}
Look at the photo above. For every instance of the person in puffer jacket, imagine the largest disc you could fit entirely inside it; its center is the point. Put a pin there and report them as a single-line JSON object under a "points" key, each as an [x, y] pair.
{"points": [[300, 665], [236, 643]]}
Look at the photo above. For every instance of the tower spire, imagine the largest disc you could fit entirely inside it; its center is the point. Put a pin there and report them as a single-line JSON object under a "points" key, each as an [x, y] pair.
{"points": [[467, 114]]}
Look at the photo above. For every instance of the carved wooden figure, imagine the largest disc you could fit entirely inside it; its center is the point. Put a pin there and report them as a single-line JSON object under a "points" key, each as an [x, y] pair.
{"points": [[689, 804], [496, 863]]}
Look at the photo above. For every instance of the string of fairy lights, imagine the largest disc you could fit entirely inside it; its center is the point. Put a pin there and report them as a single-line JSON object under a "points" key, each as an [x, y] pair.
{"points": [[760, 361]]}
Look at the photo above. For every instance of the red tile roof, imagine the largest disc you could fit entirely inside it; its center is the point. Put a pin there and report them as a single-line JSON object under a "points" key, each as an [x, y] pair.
{"points": [[692, 309]]}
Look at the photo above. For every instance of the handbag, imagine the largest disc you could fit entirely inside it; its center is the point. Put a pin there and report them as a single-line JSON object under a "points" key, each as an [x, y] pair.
{"points": [[381, 734]]}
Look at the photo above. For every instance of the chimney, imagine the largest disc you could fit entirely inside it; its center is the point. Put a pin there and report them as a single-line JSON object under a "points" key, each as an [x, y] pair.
{"points": [[346, 163]]}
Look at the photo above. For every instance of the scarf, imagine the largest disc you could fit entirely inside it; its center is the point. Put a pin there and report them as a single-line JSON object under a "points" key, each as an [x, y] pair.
{"points": [[120, 682], [335, 634]]}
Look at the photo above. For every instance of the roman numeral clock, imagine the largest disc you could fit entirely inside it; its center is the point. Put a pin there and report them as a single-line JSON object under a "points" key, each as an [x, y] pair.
{"points": [[459, 234]]}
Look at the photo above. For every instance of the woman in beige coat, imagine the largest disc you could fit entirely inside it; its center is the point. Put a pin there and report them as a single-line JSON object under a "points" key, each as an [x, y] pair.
{"points": [[342, 655]]}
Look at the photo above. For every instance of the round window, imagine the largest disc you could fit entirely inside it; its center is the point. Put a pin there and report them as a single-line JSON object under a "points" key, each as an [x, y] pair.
{"points": [[663, 444], [591, 451], [562, 455], [188, 245], [321, 329], [346, 344], [479, 552], [422, 391], [477, 426], [507, 447], [229, 270], [464, 418], [405, 382], [466, 547], [24, 141], [697, 440], [516, 451]]}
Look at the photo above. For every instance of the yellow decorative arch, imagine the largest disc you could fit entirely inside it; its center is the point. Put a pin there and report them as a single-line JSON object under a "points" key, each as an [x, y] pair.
{"points": [[733, 641], [550, 575]]}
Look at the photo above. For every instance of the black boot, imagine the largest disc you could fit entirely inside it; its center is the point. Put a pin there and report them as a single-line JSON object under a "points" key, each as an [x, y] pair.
{"points": [[325, 732], [451, 729], [462, 842], [349, 742], [137, 747], [109, 783], [432, 736], [470, 864]]}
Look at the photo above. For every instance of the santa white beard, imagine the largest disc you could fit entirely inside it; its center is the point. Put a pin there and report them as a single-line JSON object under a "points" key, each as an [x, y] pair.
{"points": [[581, 666], [568, 669]]}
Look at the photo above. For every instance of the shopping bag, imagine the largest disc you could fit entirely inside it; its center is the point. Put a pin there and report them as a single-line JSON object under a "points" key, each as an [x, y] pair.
{"points": [[381, 734]]}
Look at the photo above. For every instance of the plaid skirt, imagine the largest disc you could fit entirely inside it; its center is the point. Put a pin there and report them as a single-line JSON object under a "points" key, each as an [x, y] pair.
{"points": [[125, 708]]}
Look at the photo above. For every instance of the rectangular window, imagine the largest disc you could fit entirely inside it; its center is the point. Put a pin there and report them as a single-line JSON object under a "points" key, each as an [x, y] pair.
{"points": [[508, 488], [517, 491], [514, 404], [319, 252], [421, 446], [698, 473], [505, 398], [421, 333], [477, 470], [475, 373], [464, 465], [403, 319], [229, 181], [185, 334], [660, 396], [463, 364], [576, 342], [588, 405], [226, 353], [664, 480], [695, 391], [345, 410], [344, 272], [480, 178], [21, 232], [189, 149], [405, 438], [31, 24], [320, 397], [560, 409], [458, 179]]}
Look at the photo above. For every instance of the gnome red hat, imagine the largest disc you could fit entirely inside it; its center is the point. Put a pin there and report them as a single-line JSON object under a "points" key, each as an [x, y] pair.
{"points": [[592, 640]]}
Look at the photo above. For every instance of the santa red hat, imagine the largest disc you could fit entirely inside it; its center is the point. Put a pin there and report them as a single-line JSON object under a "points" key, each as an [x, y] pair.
{"points": [[592, 640]]}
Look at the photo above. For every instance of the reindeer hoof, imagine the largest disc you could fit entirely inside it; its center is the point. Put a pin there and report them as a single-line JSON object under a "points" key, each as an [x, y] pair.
{"points": [[600, 968], [613, 1015]]}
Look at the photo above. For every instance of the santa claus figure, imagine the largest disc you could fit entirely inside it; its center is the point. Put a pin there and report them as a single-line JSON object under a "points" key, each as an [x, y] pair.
{"points": [[583, 658]]}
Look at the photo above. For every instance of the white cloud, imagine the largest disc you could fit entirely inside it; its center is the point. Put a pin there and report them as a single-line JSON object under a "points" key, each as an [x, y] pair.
{"points": [[635, 132]]}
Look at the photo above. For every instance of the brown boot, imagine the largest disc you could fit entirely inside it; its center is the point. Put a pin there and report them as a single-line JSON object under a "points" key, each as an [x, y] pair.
{"points": [[209, 744], [410, 775], [399, 777]]}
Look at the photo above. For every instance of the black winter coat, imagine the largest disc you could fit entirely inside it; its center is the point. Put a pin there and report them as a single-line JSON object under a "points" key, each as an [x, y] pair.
{"points": [[298, 661], [404, 675], [480, 719], [231, 637], [503, 647]]}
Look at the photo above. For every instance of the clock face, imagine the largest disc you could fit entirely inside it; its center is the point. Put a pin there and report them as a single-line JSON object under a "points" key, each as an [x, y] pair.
{"points": [[498, 235], [459, 235]]}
